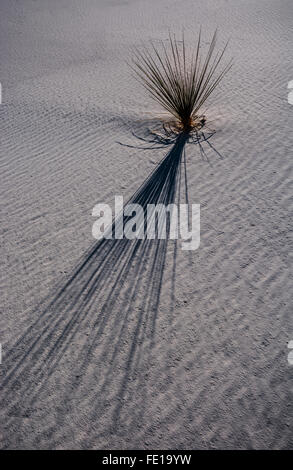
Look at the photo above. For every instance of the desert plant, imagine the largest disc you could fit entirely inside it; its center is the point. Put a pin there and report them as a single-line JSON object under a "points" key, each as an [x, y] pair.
{"points": [[181, 83]]}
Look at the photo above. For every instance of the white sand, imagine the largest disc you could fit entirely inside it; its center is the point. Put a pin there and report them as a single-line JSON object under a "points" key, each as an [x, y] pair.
{"points": [[211, 370]]}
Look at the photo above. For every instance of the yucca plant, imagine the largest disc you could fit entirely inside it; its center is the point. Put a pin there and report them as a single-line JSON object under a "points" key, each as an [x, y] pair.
{"points": [[179, 81]]}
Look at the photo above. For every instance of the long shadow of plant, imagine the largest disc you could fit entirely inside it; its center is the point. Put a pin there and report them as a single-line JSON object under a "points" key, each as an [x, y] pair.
{"points": [[106, 313]]}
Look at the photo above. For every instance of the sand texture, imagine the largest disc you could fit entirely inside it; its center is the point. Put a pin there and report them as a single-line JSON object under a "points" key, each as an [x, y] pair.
{"points": [[143, 346]]}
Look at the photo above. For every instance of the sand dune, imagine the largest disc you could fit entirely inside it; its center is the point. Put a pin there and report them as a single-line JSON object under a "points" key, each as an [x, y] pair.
{"points": [[146, 347]]}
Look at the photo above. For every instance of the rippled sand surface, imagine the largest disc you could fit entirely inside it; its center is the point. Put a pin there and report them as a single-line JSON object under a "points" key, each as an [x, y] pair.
{"points": [[155, 347]]}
